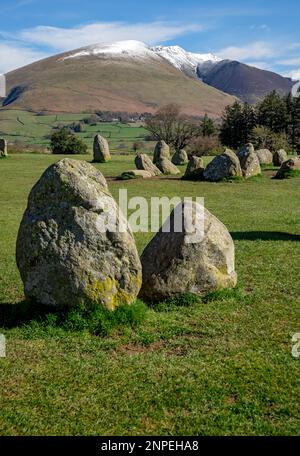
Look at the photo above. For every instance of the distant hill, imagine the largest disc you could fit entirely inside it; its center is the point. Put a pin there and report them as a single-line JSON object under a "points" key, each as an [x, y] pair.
{"points": [[123, 76], [246, 82]]}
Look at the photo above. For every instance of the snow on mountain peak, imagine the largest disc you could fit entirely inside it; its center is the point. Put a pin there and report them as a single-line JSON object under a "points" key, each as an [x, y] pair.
{"points": [[128, 48], [175, 55], [184, 60]]}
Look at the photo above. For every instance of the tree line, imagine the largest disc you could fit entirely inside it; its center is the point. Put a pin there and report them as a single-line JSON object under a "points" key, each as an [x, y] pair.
{"points": [[273, 123]]}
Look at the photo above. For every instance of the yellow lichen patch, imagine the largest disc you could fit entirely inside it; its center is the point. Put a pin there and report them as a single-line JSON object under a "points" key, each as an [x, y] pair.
{"points": [[110, 295]]}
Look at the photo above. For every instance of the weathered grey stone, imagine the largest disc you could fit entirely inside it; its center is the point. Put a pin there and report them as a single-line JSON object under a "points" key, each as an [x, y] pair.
{"points": [[3, 147], [143, 162], [180, 157], [265, 157], [279, 157], [194, 169], [175, 263], [293, 164], [162, 150], [66, 252], [244, 150], [249, 162], [223, 166], [167, 167], [101, 150], [135, 174]]}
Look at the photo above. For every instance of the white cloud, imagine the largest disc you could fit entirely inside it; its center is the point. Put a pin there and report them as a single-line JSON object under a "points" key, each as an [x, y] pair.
{"points": [[292, 61], [13, 56], [256, 50], [261, 65], [62, 39], [294, 74]]}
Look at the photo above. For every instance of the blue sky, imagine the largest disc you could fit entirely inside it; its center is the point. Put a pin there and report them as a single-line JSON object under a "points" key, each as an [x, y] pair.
{"points": [[262, 33]]}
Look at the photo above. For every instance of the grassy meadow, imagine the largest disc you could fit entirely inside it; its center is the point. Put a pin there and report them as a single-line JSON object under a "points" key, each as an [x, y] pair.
{"points": [[219, 366], [31, 129]]}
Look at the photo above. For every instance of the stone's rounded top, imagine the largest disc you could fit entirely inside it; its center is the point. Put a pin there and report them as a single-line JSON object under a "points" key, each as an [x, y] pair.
{"points": [[162, 150], [101, 149], [195, 168], [197, 260], [143, 162], [279, 157], [249, 163], [265, 157], [71, 182], [166, 166], [180, 157], [223, 166]]}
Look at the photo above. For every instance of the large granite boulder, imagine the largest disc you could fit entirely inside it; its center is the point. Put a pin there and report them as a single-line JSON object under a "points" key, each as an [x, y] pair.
{"points": [[162, 150], [135, 174], [3, 147], [167, 167], [279, 157], [180, 157], [143, 162], [194, 169], [175, 263], [101, 150], [249, 161], [223, 166], [287, 168], [68, 248], [265, 157]]}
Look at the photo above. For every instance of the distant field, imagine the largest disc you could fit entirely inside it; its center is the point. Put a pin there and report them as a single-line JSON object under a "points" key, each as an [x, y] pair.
{"points": [[22, 127], [222, 366]]}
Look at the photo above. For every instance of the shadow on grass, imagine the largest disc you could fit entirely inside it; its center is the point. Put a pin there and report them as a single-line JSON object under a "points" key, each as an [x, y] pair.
{"points": [[264, 236]]}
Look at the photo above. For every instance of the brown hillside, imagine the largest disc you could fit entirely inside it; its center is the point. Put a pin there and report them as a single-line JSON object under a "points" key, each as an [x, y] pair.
{"points": [[109, 83]]}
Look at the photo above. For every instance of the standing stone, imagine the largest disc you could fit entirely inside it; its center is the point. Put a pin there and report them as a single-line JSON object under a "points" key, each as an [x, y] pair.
{"points": [[3, 147], [101, 150], [265, 157], [249, 161], [194, 169], [167, 167], [223, 166], [180, 157], [279, 157], [67, 253], [162, 150], [287, 167], [244, 150], [176, 262], [143, 162]]}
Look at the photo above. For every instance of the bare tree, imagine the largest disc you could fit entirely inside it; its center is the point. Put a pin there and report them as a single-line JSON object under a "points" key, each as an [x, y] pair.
{"points": [[173, 127]]}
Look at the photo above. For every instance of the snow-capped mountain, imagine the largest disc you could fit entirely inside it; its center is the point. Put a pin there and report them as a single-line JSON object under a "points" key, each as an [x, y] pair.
{"points": [[184, 60], [132, 77], [175, 55]]}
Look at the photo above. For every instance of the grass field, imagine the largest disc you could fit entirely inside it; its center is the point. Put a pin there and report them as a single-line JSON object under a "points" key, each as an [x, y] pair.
{"points": [[221, 366], [23, 127]]}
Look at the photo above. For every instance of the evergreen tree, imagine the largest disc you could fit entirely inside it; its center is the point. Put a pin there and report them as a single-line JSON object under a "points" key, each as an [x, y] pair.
{"points": [[231, 128], [207, 126], [248, 121], [293, 129], [272, 112]]}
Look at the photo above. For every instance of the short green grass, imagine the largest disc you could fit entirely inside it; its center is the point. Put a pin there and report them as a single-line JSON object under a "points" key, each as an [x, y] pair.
{"points": [[23, 127], [220, 365]]}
